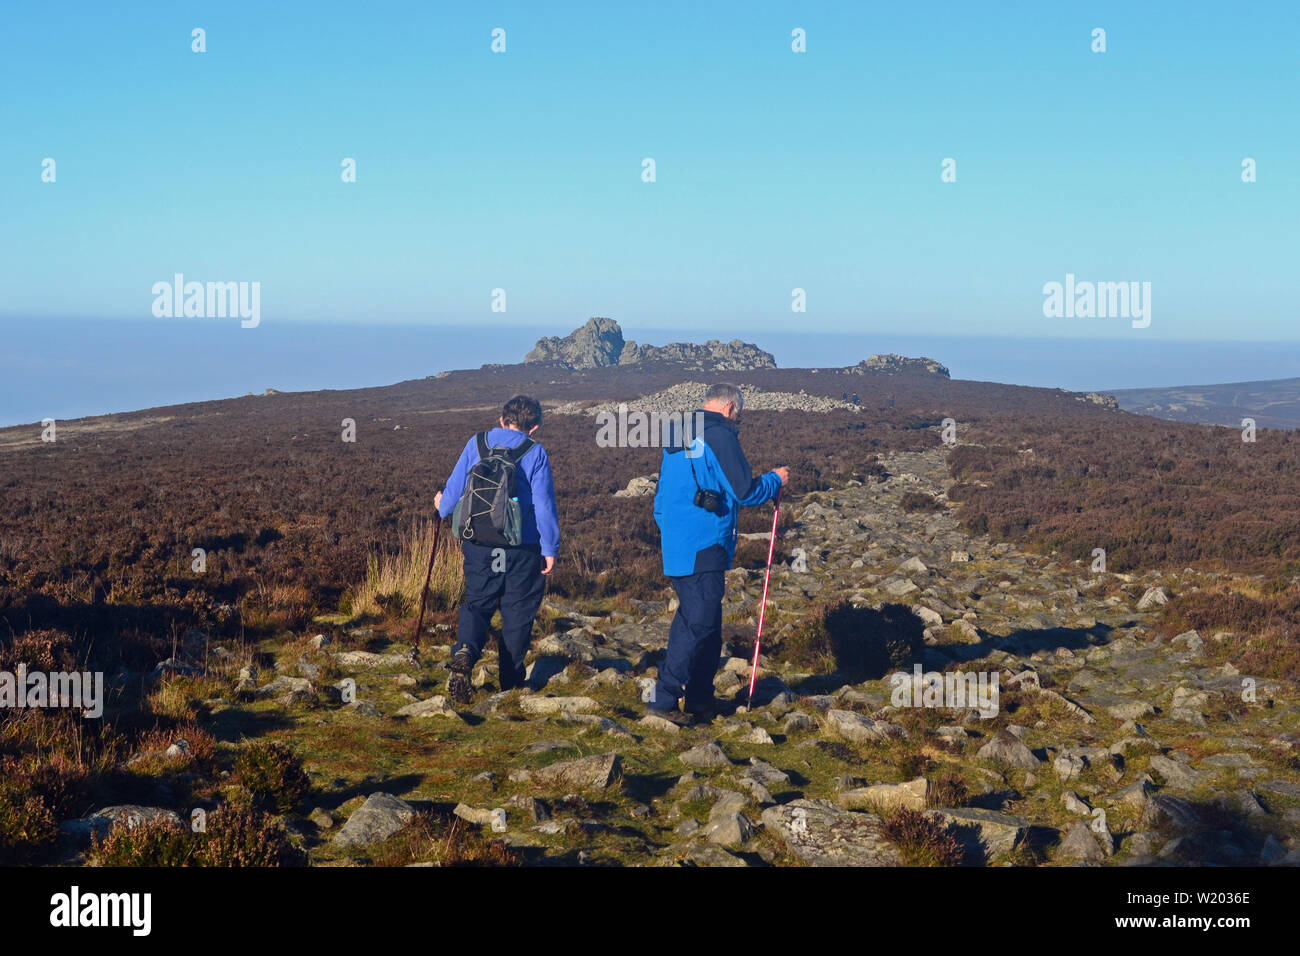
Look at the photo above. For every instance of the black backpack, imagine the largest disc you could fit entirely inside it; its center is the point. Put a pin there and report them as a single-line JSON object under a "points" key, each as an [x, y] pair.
{"points": [[488, 512]]}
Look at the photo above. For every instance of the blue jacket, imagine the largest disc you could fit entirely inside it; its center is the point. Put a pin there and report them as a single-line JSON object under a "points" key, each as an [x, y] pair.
{"points": [[534, 487], [691, 538]]}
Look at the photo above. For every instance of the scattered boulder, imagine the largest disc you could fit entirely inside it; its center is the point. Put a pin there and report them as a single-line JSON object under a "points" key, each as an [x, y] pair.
{"points": [[821, 833], [540, 706], [367, 659], [595, 773], [1008, 749], [1081, 843], [643, 487], [436, 706], [100, 822], [708, 754], [381, 816], [887, 796], [986, 833], [861, 729], [1153, 597]]}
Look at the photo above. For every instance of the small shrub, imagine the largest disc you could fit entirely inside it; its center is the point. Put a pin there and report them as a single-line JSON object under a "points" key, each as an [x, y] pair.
{"points": [[913, 765], [922, 841], [27, 825], [273, 776], [948, 790], [239, 835], [860, 642], [236, 835], [430, 838], [158, 842], [914, 501]]}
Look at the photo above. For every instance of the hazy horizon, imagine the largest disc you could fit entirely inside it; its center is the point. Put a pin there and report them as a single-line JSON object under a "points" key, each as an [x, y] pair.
{"points": [[58, 369]]}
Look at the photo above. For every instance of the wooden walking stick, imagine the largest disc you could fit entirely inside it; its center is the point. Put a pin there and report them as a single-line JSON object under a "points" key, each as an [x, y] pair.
{"points": [[428, 576]]}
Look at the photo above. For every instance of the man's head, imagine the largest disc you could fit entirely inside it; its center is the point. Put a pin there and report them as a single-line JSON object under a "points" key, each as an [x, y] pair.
{"points": [[726, 400], [523, 414]]}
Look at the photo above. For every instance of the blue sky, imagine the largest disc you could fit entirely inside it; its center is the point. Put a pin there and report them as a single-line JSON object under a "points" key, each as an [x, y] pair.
{"points": [[775, 170]]}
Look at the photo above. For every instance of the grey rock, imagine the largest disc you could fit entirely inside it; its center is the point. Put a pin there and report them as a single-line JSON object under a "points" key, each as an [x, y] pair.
{"points": [[763, 772], [989, 832], [708, 854], [888, 796], [367, 659], [1175, 774], [1165, 807], [436, 706], [822, 834], [860, 729], [285, 685], [541, 706], [1080, 843], [596, 772], [705, 755], [797, 722], [381, 816], [659, 723], [1007, 749], [729, 828], [1153, 597], [100, 822]]}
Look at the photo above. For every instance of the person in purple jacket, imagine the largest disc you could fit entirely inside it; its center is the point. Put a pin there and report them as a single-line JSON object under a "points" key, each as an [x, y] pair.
{"points": [[511, 579]]}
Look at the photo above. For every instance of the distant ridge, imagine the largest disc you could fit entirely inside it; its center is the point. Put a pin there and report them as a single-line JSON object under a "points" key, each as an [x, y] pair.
{"points": [[1273, 403]]}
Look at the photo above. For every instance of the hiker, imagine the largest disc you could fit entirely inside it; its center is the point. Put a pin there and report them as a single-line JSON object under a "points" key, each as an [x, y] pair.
{"points": [[703, 480], [501, 498]]}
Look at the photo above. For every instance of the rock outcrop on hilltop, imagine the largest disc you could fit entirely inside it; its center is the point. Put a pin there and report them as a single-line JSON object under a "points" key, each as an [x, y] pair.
{"points": [[600, 343], [897, 363], [1099, 398], [713, 354], [595, 345]]}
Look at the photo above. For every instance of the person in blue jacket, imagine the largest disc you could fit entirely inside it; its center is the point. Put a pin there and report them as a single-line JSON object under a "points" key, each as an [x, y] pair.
{"points": [[703, 480], [512, 579]]}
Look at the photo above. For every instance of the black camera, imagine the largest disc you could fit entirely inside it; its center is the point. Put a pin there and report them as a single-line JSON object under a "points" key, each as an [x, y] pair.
{"points": [[709, 500]]}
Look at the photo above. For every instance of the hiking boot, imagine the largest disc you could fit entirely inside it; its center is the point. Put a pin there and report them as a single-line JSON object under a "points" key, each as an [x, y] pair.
{"points": [[458, 688], [705, 713]]}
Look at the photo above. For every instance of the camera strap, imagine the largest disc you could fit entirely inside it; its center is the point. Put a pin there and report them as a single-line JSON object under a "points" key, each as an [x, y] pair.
{"points": [[687, 452]]}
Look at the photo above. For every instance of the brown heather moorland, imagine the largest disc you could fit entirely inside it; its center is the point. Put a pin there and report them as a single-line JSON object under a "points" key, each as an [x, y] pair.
{"points": [[97, 532]]}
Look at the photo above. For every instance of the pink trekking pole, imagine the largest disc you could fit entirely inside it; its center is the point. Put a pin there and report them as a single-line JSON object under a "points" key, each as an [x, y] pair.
{"points": [[762, 608]]}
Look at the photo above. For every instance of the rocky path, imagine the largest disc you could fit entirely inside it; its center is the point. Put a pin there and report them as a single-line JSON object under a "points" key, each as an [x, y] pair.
{"points": [[1108, 744]]}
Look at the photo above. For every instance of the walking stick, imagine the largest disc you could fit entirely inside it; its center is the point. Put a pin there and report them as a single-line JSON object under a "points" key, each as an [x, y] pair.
{"points": [[428, 576], [762, 608]]}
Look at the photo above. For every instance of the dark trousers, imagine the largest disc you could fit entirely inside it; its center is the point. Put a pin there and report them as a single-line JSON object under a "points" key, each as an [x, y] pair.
{"points": [[694, 643], [511, 580]]}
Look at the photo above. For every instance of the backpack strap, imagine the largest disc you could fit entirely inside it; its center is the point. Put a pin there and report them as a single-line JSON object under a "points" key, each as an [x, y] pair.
{"points": [[517, 453], [483, 451]]}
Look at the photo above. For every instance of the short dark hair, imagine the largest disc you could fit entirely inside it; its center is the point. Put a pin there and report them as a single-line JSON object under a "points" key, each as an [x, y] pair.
{"points": [[523, 412]]}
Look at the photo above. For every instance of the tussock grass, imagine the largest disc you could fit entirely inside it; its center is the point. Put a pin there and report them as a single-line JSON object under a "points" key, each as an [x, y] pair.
{"points": [[393, 581]]}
